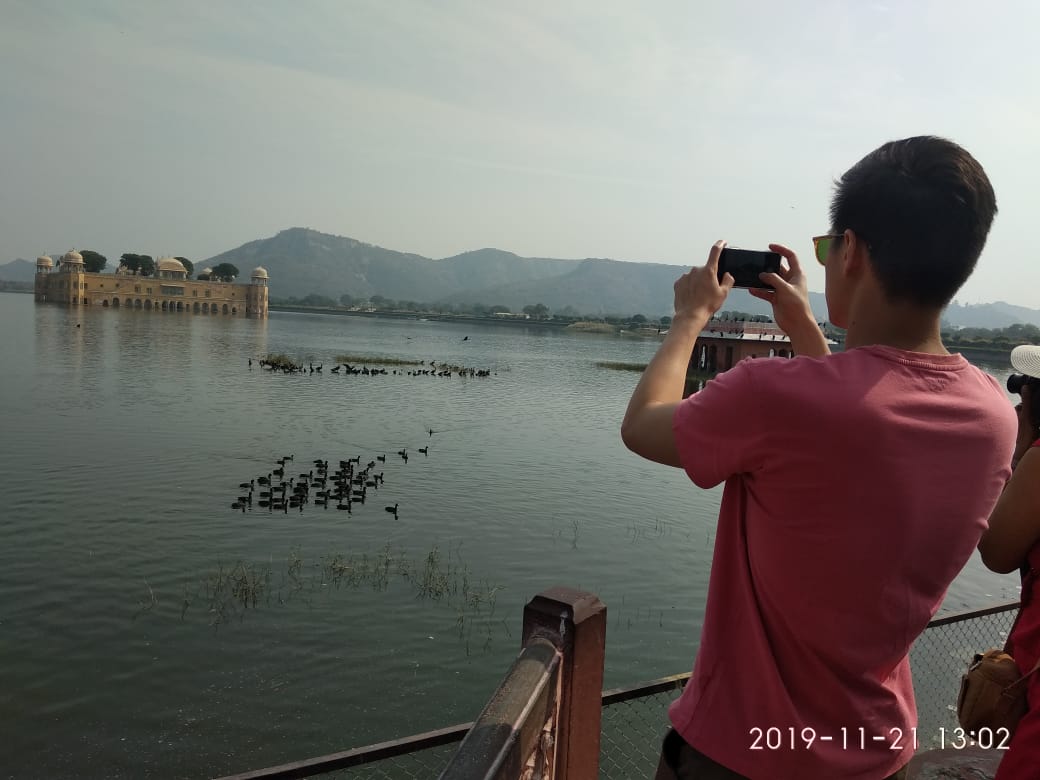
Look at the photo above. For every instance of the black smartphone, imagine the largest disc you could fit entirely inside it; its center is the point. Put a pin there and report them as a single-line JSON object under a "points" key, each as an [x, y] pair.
{"points": [[744, 265]]}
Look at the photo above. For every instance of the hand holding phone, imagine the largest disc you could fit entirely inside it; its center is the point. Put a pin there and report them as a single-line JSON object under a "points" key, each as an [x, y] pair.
{"points": [[744, 265]]}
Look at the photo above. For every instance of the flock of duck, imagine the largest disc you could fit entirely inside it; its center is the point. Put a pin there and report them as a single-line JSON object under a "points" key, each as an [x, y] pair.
{"points": [[443, 370], [344, 487]]}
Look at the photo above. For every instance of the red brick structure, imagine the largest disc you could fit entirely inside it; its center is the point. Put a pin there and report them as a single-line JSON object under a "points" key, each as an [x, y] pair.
{"points": [[722, 344]]}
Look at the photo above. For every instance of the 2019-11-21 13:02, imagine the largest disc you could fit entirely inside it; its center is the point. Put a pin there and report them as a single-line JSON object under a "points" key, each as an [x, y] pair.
{"points": [[859, 738]]}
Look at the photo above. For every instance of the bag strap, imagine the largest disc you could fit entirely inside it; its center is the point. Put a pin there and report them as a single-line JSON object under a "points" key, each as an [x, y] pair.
{"points": [[1028, 576], [1022, 679]]}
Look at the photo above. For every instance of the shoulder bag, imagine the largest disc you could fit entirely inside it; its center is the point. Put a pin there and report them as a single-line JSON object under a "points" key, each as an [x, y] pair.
{"points": [[993, 689]]}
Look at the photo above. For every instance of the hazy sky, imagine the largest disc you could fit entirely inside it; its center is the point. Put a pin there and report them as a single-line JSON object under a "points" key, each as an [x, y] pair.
{"points": [[636, 131]]}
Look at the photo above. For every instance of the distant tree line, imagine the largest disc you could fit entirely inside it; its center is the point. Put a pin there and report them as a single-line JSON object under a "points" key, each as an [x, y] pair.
{"points": [[538, 311], [534, 311], [8, 286], [998, 339]]}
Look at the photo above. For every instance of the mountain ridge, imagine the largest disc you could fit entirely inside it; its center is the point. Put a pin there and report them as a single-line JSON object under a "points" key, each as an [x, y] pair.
{"points": [[302, 261]]}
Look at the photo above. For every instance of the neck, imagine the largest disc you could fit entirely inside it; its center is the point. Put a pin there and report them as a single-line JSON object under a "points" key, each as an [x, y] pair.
{"points": [[873, 319]]}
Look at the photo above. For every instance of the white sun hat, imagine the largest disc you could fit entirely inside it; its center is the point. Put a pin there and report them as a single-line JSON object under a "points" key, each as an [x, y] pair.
{"points": [[1026, 359]]}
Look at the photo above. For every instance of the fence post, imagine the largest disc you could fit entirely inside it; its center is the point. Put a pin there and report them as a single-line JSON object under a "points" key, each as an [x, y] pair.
{"points": [[577, 622]]}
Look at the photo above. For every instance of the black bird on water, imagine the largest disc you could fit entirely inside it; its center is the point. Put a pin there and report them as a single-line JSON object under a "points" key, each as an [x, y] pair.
{"points": [[392, 509]]}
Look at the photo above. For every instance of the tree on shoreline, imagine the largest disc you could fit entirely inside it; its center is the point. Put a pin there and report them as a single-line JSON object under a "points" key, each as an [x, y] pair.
{"points": [[538, 311]]}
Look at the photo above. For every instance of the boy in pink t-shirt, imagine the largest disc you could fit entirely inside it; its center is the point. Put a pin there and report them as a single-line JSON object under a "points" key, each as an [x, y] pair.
{"points": [[856, 484]]}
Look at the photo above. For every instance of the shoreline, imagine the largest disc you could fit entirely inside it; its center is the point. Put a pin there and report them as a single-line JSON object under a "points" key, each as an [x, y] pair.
{"points": [[419, 317]]}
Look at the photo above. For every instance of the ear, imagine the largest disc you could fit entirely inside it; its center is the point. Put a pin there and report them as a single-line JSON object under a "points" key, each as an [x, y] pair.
{"points": [[856, 255]]}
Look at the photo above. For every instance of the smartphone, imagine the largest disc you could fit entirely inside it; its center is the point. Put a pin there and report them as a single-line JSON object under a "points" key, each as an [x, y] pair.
{"points": [[744, 265]]}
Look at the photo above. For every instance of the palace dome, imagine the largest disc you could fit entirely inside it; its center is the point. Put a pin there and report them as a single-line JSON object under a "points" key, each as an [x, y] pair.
{"points": [[259, 273], [207, 271], [44, 261], [72, 257], [170, 264]]}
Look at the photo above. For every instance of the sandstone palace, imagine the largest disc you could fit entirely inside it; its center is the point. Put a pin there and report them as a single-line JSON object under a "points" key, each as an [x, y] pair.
{"points": [[169, 289]]}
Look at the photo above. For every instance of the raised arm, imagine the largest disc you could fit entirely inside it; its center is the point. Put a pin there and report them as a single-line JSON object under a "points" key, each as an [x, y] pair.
{"points": [[791, 309], [1014, 524], [647, 427]]}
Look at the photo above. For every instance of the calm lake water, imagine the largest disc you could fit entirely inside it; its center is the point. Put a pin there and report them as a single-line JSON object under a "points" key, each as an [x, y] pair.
{"points": [[124, 648]]}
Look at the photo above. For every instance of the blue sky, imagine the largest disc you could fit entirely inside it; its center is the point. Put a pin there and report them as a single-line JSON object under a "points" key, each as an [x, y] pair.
{"points": [[636, 131]]}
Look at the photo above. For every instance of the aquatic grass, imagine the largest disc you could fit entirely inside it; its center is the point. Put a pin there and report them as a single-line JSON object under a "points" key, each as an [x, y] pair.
{"points": [[383, 361], [280, 360], [435, 365], [586, 326], [229, 592], [618, 366], [146, 605]]}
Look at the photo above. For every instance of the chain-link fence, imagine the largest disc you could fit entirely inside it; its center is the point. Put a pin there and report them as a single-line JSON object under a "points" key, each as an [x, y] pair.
{"points": [[636, 719], [634, 723], [940, 656]]}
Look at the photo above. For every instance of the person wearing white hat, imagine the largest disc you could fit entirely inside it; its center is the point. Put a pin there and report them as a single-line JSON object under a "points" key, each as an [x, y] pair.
{"points": [[1012, 542], [857, 484]]}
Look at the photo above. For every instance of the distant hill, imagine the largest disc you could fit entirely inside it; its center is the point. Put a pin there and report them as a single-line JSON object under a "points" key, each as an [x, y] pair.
{"points": [[990, 315], [25, 270], [303, 261], [18, 271]]}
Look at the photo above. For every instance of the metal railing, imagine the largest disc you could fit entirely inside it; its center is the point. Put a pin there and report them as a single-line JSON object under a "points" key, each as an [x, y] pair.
{"points": [[634, 719], [545, 723], [516, 731]]}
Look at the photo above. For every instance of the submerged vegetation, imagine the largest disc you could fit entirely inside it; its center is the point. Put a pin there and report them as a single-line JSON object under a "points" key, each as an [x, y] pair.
{"points": [[228, 592], [587, 326], [280, 360], [618, 366], [381, 361]]}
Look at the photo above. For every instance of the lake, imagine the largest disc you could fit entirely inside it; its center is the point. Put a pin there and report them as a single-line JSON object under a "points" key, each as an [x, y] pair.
{"points": [[149, 629]]}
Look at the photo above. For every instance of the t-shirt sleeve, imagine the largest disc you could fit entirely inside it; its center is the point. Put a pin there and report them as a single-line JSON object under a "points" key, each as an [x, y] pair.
{"points": [[718, 429]]}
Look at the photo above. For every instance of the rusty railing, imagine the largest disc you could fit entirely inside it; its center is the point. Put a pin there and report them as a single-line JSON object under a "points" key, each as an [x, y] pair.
{"points": [[544, 719]]}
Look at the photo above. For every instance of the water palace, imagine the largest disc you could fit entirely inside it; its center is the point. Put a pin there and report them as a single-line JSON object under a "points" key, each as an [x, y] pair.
{"points": [[169, 290]]}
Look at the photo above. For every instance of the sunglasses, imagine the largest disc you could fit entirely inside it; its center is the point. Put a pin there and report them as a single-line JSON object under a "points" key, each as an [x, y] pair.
{"points": [[822, 246]]}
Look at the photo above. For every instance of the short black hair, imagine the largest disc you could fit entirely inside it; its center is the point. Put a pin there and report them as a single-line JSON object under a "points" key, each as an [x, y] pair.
{"points": [[924, 207]]}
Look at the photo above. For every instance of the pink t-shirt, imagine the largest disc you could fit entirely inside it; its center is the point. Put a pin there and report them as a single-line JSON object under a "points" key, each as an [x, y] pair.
{"points": [[857, 486]]}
